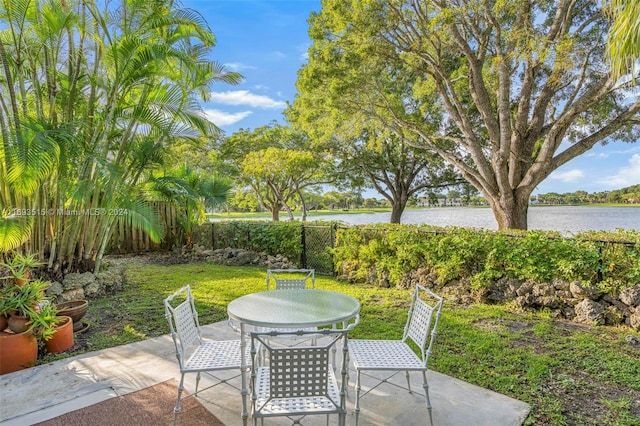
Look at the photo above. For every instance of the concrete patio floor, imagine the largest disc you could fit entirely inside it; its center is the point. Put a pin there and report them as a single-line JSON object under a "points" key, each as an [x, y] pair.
{"points": [[46, 391]]}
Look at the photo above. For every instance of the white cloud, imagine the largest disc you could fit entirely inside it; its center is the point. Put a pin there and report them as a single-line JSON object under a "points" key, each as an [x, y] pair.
{"points": [[244, 97], [237, 66], [278, 55], [567, 176], [221, 118], [626, 176]]}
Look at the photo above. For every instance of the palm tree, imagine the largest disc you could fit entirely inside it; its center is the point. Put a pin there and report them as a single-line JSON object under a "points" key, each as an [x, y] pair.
{"points": [[75, 121], [192, 191]]}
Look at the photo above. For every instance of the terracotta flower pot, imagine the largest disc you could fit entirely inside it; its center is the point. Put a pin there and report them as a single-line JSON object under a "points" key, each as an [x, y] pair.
{"points": [[18, 323], [21, 280], [62, 339], [17, 351], [76, 309]]}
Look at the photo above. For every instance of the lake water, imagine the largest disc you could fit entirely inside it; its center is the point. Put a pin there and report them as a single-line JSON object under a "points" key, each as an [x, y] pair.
{"points": [[567, 219]]}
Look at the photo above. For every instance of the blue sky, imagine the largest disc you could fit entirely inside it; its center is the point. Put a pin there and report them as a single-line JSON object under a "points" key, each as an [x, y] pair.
{"points": [[267, 41]]}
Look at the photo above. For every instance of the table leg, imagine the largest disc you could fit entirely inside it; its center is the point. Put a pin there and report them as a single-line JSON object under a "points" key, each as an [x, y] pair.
{"points": [[243, 373]]}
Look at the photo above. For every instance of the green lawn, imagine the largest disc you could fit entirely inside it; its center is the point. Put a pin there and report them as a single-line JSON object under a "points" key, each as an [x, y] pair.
{"points": [[569, 373]]}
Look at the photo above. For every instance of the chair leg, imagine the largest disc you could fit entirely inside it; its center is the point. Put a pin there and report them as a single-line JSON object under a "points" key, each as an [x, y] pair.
{"points": [[334, 351], [406, 373], [425, 385], [357, 408], [176, 409], [197, 382], [347, 378]]}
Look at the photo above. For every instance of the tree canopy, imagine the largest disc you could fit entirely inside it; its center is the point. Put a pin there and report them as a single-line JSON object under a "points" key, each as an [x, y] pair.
{"points": [[504, 92], [396, 169], [276, 162]]}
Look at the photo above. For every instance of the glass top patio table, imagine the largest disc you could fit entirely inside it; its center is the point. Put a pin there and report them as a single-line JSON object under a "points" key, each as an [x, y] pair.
{"points": [[293, 308], [289, 309]]}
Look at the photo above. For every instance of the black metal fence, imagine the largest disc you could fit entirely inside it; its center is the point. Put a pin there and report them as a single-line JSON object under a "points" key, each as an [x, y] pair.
{"points": [[317, 242], [311, 250]]}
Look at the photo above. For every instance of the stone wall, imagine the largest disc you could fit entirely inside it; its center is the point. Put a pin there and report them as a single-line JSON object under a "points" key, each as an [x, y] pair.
{"points": [[86, 285], [240, 257], [568, 300]]}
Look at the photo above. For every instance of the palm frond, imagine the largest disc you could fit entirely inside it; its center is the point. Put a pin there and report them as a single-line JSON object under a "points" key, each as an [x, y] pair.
{"points": [[215, 190], [34, 159], [14, 230], [140, 215], [171, 188]]}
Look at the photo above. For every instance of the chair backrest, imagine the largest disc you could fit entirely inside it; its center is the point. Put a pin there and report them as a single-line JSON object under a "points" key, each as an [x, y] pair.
{"points": [[291, 279], [183, 321], [300, 371], [421, 326]]}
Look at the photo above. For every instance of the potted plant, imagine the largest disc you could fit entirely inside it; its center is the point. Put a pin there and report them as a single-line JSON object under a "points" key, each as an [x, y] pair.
{"points": [[20, 266], [19, 349], [54, 330], [21, 303], [32, 317]]}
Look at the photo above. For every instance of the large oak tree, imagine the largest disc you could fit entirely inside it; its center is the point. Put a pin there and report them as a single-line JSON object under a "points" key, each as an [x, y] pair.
{"points": [[368, 150], [518, 88]]}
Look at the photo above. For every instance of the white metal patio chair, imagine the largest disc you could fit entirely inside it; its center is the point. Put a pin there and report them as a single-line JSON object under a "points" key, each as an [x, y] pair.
{"points": [[291, 279], [397, 355], [196, 355], [297, 381]]}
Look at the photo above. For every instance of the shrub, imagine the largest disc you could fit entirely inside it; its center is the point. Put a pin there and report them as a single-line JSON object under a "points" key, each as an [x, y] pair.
{"points": [[269, 237], [608, 260]]}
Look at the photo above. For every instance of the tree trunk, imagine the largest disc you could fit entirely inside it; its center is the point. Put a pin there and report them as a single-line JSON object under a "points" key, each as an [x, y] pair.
{"points": [[511, 213], [275, 212], [304, 205], [398, 207], [289, 211]]}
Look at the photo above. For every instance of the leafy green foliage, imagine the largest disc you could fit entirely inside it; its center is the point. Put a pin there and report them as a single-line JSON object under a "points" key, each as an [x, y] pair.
{"points": [[275, 163], [14, 230], [83, 126], [270, 237], [191, 191], [609, 260]]}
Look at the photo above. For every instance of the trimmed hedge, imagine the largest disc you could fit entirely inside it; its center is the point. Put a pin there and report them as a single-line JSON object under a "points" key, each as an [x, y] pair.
{"points": [[608, 260]]}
